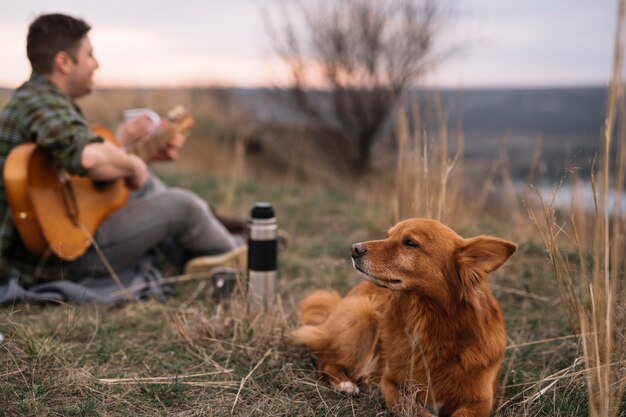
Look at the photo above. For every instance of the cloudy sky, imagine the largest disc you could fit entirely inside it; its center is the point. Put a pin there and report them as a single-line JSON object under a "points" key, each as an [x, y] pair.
{"points": [[225, 42]]}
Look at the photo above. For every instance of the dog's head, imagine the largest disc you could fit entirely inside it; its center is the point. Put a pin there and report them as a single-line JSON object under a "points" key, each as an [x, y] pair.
{"points": [[426, 256]]}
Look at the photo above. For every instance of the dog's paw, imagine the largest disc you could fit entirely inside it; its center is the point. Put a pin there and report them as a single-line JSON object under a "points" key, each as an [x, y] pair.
{"points": [[347, 387]]}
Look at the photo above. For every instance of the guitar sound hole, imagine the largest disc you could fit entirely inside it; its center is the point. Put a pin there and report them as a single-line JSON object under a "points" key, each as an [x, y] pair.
{"points": [[100, 185]]}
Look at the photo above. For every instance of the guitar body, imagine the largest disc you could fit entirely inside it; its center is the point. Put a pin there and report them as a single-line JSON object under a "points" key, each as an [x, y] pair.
{"points": [[39, 202], [17, 191]]}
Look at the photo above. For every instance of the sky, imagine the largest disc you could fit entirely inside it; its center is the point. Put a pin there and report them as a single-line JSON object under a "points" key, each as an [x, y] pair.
{"points": [[501, 43]]}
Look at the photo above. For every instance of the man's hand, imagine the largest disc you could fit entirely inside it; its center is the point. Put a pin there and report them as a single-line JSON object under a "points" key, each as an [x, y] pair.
{"points": [[140, 175], [172, 148], [141, 128], [135, 130], [106, 161]]}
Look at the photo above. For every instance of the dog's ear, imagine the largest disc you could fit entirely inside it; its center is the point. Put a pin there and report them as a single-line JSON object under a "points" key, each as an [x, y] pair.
{"points": [[477, 257]]}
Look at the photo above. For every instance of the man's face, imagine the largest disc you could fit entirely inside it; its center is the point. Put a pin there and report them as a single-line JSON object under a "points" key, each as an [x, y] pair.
{"points": [[80, 79]]}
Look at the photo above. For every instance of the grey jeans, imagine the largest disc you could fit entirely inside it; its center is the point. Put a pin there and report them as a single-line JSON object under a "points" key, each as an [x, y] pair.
{"points": [[155, 216]]}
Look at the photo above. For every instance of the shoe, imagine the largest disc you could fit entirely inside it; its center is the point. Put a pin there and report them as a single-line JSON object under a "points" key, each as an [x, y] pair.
{"points": [[235, 258], [225, 282]]}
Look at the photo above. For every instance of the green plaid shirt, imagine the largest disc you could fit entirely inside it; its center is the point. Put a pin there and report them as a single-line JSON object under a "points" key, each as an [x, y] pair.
{"points": [[38, 112]]}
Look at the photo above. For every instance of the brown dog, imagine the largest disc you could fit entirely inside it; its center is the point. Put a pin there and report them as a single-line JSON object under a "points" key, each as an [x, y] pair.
{"points": [[424, 326]]}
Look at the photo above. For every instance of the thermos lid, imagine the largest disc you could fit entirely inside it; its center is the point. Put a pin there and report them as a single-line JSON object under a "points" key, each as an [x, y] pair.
{"points": [[262, 211]]}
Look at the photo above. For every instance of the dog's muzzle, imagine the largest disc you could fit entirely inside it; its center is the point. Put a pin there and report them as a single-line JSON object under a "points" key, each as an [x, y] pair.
{"points": [[358, 250]]}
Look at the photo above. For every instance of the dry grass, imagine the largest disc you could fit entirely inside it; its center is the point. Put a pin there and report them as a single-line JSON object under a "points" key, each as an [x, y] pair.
{"points": [[593, 289], [423, 168], [190, 356]]}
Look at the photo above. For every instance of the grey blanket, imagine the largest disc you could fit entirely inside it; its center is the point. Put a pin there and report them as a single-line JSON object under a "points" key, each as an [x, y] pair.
{"points": [[140, 281]]}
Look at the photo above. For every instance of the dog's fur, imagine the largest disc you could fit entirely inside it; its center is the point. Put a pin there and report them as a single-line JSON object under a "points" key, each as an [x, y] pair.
{"points": [[424, 326]]}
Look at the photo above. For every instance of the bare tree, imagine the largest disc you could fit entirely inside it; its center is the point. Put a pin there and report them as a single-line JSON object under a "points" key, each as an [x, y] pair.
{"points": [[365, 53]]}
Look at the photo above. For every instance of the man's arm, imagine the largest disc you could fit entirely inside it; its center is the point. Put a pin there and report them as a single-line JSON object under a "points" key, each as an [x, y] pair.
{"points": [[59, 128], [105, 161]]}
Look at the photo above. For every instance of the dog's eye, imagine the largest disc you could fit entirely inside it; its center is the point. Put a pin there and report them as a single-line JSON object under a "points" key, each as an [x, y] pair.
{"points": [[411, 244]]}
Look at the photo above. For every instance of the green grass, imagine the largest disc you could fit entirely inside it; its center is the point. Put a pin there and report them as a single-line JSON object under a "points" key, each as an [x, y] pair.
{"points": [[216, 358]]}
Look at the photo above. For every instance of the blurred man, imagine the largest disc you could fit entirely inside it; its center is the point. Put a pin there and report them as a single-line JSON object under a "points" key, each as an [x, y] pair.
{"points": [[43, 110]]}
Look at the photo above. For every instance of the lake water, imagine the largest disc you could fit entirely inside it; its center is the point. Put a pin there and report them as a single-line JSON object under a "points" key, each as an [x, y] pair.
{"points": [[566, 195]]}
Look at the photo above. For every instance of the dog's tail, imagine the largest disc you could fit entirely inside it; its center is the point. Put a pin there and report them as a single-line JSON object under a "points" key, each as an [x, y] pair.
{"points": [[311, 336], [315, 308], [351, 334]]}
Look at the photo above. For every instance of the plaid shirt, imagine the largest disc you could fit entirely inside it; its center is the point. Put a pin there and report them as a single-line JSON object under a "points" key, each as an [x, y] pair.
{"points": [[38, 112]]}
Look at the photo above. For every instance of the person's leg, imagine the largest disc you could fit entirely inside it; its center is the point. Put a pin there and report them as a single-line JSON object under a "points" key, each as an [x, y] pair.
{"points": [[235, 225], [147, 221]]}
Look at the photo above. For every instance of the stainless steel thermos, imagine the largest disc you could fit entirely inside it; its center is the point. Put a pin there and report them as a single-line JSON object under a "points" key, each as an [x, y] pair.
{"points": [[262, 257]]}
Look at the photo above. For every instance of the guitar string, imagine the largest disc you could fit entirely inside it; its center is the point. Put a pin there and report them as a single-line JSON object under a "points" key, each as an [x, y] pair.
{"points": [[99, 251], [104, 260], [123, 290]]}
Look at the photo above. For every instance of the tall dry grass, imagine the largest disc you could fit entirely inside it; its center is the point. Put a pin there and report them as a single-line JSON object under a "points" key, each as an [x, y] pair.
{"points": [[592, 287], [423, 186], [432, 180]]}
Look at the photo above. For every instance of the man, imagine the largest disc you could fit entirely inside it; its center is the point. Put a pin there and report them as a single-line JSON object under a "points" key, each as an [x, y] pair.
{"points": [[43, 110]]}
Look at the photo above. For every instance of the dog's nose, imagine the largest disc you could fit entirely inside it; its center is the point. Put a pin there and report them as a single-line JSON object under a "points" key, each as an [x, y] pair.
{"points": [[358, 249]]}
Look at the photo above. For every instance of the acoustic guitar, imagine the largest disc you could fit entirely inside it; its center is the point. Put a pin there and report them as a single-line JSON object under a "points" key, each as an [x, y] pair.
{"points": [[58, 212]]}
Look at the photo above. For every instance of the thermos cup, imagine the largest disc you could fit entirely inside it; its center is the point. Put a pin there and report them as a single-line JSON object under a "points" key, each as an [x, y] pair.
{"points": [[262, 257]]}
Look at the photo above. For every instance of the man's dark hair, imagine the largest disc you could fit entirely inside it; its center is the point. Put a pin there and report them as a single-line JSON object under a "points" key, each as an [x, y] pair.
{"points": [[50, 34]]}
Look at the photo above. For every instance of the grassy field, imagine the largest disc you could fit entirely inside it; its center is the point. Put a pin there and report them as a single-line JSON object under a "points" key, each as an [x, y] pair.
{"points": [[191, 356]]}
